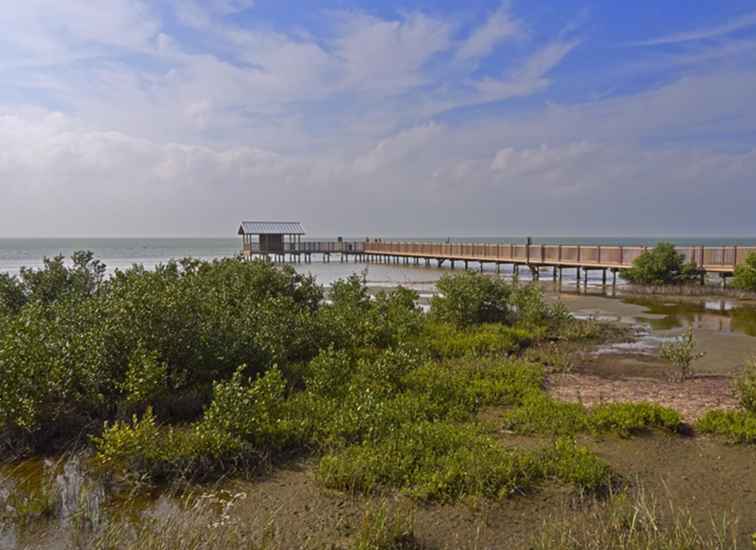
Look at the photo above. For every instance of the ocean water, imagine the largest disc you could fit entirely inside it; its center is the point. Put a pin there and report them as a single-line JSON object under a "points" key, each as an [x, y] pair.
{"points": [[124, 252]]}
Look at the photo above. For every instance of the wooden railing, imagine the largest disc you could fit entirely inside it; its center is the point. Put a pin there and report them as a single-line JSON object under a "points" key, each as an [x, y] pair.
{"points": [[710, 258], [720, 258], [309, 247]]}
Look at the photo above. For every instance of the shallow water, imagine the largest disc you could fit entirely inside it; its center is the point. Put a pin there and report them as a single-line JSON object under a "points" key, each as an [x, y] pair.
{"points": [[720, 315]]}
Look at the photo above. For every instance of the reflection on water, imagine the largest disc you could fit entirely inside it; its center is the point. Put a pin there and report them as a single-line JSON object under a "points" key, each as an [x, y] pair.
{"points": [[718, 315], [79, 496], [40, 499]]}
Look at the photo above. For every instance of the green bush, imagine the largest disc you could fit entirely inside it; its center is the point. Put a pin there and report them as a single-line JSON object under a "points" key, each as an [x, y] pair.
{"points": [[446, 462], [662, 265], [531, 309], [12, 296], [681, 353], [737, 426], [626, 419], [146, 378], [539, 413], [83, 350], [553, 355], [330, 372], [244, 424], [56, 281], [447, 341], [746, 387], [568, 462], [745, 274], [471, 298], [389, 395], [53, 363], [463, 387], [353, 321]]}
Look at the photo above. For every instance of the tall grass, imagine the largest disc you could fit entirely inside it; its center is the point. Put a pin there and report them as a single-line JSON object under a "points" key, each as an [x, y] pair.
{"points": [[635, 521]]}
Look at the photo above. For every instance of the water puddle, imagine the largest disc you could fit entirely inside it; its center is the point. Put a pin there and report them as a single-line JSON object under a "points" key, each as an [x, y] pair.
{"points": [[646, 343], [41, 500], [725, 316]]}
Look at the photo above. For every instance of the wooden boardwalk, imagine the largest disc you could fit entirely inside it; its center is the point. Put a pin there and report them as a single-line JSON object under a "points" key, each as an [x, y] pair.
{"points": [[721, 259], [718, 259]]}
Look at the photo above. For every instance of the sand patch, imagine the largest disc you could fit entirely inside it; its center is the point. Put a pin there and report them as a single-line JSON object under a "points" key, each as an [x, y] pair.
{"points": [[691, 398]]}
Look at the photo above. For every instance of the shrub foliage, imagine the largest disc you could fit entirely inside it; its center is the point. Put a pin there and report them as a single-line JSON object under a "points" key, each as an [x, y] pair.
{"points": [[197, 368], [745, 274], [661, 265]]}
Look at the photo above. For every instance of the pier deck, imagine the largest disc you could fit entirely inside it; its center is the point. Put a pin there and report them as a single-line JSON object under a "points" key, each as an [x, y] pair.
{"points": [[719, 259]]}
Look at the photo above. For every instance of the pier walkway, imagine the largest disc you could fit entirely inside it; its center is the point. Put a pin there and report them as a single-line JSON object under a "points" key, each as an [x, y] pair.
{"points": [[719, 259]]}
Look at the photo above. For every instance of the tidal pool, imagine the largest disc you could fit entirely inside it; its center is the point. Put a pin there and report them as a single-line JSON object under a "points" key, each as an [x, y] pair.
{"points": [[721, 315]]}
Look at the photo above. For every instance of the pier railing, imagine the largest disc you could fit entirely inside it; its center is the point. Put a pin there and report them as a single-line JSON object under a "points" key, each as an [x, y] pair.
{"points": [[719, 258], [309, 247]]}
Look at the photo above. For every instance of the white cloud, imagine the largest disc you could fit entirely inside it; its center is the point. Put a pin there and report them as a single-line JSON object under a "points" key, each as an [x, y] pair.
{"points": [[46, 32], [398, 148], [519, 162], [201, 14], [387, 56], [739, 23], [250, 121], [499, 27]]}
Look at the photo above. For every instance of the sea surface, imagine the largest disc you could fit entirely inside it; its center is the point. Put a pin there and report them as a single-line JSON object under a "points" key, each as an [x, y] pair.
{"points": [[122, 253]]}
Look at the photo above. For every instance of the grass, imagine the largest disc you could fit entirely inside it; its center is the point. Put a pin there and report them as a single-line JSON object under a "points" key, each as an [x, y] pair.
{"points": [[540, 414], [738, 426], [385, 529], [198, 522], [634, 521]]}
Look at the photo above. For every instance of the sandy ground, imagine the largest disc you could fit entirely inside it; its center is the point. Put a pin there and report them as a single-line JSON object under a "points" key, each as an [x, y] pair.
{"points": [[691, 398]]}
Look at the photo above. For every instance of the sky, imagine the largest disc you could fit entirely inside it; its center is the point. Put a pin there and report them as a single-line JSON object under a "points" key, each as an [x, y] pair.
{"points": [[382, 118]]}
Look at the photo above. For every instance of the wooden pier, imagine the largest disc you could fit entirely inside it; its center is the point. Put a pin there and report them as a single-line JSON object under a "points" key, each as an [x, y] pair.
{"points": [[281, 241], [719, 259]]}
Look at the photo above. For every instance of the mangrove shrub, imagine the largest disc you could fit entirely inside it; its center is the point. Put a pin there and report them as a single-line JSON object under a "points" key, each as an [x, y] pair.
{"points": [[662, 265], [745, 274]]}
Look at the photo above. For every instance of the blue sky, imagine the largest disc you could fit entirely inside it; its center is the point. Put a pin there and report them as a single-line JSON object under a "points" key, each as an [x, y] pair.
{"points": [[173, 117]]}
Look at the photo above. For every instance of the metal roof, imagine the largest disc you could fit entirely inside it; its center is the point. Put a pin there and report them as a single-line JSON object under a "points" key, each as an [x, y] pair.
{"points": [[271, 228]]}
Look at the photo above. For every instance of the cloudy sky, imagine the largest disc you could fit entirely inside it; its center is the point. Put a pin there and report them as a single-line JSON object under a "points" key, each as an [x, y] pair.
{"points": [[390, 117]]}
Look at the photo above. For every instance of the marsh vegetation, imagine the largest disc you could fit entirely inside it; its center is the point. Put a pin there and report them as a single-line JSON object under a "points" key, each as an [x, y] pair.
{"points": [[200, 372]]}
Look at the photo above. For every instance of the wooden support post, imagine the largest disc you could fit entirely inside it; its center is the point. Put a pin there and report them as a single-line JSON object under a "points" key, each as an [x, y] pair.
{"points": [[577, 276], [452, 264], [481, 267], [585, 278], [603, 277]]}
